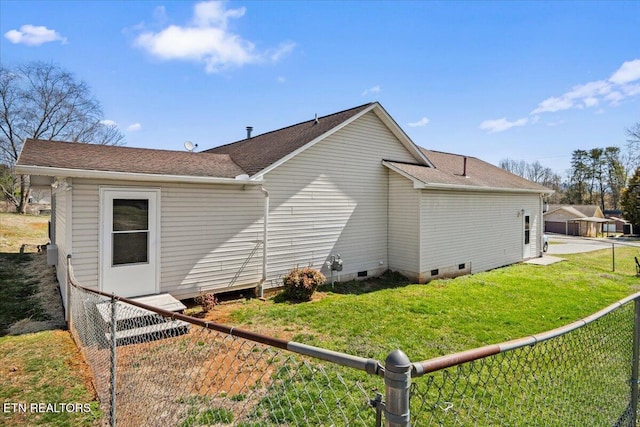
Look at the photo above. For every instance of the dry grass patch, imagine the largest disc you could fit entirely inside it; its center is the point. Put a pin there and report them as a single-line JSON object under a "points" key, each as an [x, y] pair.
{"points": [[17, 230], [37, 367]]}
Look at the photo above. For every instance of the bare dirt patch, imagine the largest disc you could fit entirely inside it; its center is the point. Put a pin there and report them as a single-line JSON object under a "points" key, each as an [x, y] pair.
{"points": [[199, 370]]}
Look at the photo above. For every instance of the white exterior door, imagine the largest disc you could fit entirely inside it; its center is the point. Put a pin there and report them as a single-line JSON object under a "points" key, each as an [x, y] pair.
{"points": [[526, 252], [129, 248]]}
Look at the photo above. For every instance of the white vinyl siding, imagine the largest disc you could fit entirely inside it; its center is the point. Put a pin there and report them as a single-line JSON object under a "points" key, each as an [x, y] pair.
{"points": [[404, 220], [210, 238], [332, 199], [207, 234], [62, 238], [85, 233], [484, 229]]}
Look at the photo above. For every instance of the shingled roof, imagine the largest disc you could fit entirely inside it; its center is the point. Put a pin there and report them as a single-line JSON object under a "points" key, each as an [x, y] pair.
{"points": [[261, 151], [449, 170], [252, 155], [578, 210], [107, 158]]}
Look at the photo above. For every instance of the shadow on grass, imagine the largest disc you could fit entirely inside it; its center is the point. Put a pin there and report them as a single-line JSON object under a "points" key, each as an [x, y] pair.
{"points": [[26, 306], [388, 280]]}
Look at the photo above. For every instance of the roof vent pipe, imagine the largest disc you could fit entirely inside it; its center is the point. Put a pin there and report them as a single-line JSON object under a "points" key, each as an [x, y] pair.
{"points": [[316, 119], [249, 129], [464, 167]]}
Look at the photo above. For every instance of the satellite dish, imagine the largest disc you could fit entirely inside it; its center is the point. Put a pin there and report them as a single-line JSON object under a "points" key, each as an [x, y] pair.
{"points": [[188, 145]]}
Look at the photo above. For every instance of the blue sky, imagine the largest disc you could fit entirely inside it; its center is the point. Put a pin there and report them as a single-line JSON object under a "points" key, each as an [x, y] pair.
{"points": [[524, 80]]}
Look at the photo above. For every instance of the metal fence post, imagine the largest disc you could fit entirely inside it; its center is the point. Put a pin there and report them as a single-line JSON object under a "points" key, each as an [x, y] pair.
{"points": [[613, 257], [636, 362], [397, 379], [114, 328], [67, 308]]}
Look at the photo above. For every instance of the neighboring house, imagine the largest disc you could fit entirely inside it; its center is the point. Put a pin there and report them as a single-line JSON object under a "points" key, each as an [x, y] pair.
{"points": [[140, 221], [620, 225], [575, 220]]}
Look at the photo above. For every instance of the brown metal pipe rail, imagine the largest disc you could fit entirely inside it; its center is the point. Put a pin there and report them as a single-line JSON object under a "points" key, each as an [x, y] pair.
{"points": [[371, 366], [443, 362]]}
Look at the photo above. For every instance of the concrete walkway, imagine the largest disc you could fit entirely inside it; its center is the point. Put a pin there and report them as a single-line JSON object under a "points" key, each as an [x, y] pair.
{"points": [[545, 260], [560, 244]]}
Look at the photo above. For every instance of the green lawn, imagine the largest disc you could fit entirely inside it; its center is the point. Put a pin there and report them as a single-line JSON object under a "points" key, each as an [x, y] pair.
{"points": [[579, 379], [40, 366], [45, 368], [367, 319], [447, 316]]}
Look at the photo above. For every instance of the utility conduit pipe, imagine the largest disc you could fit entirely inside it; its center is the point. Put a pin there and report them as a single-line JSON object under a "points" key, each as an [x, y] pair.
{"points": [[265, 239]]}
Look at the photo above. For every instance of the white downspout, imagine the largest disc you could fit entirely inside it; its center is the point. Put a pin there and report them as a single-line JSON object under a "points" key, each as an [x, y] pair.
{"points": [[265, 240]]}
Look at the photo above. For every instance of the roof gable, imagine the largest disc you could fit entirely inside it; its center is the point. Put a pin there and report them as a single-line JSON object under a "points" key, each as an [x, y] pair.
{"points": [[108, 158], [261, 153], [579, 211]]}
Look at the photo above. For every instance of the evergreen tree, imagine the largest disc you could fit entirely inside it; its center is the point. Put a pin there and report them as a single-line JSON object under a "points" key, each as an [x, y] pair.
{"points": [[630, 200]]}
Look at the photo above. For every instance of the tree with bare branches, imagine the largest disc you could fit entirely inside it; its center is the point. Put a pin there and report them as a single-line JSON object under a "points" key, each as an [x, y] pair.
{"points": [[537, 173], [41, 100], [633, 145]]}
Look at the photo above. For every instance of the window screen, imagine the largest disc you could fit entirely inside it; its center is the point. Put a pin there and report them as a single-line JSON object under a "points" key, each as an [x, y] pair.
{"points": [[130, 235]]}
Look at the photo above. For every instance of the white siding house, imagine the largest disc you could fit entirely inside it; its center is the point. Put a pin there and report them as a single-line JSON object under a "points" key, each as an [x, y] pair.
{"points": [[210, 235], [325, 204], [139, 221]]}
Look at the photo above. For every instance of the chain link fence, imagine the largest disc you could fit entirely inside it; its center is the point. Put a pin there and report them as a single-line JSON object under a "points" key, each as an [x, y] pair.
{"points": [[579, 375], [157, 368]]}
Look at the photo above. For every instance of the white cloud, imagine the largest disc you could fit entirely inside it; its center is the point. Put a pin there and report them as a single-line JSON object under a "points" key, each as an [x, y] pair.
{"points": [[580, 96], [134, 127], [213, 13], [627, 73], [281, 51], [591, 102], [207, 39], [631, 90], [500, 125], [614, 97], [420, 123], [553, 104], [32, 35], [372, 91], [108, 123], [612, 90]]}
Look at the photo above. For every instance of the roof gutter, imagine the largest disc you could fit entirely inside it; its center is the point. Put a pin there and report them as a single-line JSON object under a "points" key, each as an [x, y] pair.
{"points": [[421, 185], [130, 176], [457, 187]]}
